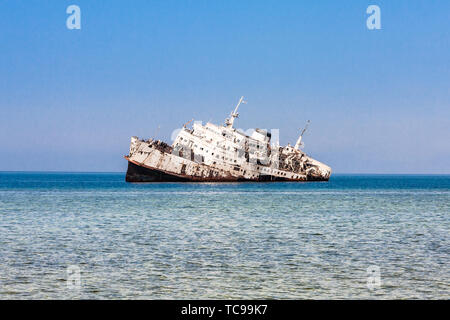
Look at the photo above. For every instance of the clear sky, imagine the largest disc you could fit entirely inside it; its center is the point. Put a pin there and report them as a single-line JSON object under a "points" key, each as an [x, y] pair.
{"points": [[378, 100]]}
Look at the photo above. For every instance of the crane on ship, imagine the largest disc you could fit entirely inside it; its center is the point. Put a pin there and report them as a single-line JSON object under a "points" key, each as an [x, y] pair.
{"points": [[230, 121], [299, 140]]}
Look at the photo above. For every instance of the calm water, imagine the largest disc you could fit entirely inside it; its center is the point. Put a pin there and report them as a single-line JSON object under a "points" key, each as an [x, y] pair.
{"points": [[272, 240]]}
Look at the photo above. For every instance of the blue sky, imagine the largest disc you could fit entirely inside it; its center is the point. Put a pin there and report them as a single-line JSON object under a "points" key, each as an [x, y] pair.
{"points": [[378, 100]]}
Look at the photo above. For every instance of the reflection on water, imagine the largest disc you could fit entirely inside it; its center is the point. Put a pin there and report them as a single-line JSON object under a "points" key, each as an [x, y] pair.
{"points": [[268, 240]]}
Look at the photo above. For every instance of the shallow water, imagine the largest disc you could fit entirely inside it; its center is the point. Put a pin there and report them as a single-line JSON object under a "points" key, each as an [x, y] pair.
{"points": [[245, 240]]}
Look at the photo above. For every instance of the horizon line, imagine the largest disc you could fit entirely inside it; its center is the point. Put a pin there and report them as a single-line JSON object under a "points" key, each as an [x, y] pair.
{"points": [[124, 172]]}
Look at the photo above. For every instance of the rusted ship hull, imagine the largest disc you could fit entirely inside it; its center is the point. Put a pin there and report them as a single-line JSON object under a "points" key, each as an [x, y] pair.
{"points": [[142, 173], [137, 172]]}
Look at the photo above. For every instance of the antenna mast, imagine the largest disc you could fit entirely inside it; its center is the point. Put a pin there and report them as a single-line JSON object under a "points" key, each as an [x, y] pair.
{"points": [[184, 126]]}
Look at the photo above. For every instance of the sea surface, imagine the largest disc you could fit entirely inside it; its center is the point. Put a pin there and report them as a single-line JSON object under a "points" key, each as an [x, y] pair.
{"points": [[94, 236]]}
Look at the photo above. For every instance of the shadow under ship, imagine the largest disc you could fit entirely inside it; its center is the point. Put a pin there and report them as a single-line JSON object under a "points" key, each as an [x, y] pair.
{"points": [[212, 153]]}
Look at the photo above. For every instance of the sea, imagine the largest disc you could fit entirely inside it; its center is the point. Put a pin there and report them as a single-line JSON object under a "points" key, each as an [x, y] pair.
{"points": [[94, 236]]}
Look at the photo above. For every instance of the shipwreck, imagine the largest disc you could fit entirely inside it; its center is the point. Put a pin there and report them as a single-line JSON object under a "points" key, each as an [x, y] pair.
{"points": [[221, 153]]}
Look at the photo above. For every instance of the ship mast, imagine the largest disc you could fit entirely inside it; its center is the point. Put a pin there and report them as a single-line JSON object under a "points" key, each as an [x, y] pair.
{"points": [[230, 121], [299, 140]]}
